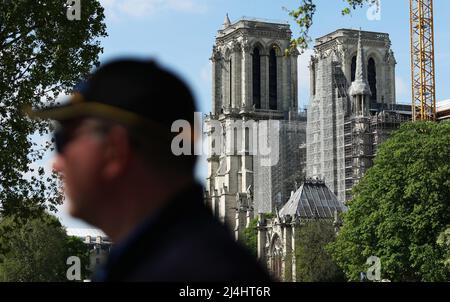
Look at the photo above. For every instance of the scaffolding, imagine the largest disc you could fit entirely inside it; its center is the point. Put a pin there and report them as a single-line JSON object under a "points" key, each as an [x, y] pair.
{"points": [[273, 184], [362, 143]]}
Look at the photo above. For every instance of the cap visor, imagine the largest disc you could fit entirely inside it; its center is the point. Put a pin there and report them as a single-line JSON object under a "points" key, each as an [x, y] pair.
{"points": [[59, 113]]}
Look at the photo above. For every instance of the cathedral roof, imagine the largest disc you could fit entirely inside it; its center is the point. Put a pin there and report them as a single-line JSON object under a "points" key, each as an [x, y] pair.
{"points": [[360, 85], [313, 200]]}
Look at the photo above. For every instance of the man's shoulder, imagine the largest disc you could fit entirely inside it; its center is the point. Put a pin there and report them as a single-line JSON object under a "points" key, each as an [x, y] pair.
{"points": [[192, 245], [209, 254], [185, 242]]}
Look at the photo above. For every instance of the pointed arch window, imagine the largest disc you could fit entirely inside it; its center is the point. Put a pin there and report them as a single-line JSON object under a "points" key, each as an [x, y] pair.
{"points": [[256, 78], [273, 79], [372, 79], [276, 255]]}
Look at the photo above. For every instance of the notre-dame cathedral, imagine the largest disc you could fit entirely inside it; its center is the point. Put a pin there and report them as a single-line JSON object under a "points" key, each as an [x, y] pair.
{"points": [[316, 157]]}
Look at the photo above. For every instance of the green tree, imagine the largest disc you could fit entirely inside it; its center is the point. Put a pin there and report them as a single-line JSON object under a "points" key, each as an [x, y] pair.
{"points": [[400, 207], [444, 241], [42, 54], [304, 16], [36, 250], [313, 261], [250, 237]]}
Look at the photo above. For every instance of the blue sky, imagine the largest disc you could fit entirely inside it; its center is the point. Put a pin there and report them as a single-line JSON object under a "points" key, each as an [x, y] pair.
{"points": [[180, 35]]}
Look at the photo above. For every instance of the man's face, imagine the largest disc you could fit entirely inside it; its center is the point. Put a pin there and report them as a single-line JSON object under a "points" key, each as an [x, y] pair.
{"points": [[80, 162]]}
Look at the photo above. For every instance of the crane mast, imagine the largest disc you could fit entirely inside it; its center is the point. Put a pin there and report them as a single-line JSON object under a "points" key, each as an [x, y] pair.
{"points": [[422, 60]]}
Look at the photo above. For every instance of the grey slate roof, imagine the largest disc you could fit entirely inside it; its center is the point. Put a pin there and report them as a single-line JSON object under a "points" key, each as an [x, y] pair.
{"points": [[312, 200]]}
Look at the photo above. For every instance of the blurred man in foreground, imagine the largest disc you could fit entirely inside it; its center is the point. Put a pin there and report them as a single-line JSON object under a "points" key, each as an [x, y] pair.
{"points": [[120, 174]]}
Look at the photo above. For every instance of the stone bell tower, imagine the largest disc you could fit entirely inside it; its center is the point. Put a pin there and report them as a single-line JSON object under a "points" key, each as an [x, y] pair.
{"points": [[254, 80], [352, 81]]}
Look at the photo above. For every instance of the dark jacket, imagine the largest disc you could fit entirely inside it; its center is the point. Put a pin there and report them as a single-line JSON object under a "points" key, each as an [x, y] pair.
{"points": [[183, 242]]}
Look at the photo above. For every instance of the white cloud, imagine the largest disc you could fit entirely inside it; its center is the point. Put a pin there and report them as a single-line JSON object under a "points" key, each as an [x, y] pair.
{"points": [[115, 9]]}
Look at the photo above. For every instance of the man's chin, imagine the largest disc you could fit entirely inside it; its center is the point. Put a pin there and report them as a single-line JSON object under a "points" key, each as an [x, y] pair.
{"points": [[77, 213]]}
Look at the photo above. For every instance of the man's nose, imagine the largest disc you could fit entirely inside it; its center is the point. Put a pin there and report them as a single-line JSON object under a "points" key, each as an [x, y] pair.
{"points": [[58, 164]]}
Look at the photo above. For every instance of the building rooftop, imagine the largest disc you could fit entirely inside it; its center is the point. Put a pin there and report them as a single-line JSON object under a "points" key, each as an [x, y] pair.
{"points": [[443, 110], [313, 200], [443, 105], [84, 232], [353, 33], [249, 23]]}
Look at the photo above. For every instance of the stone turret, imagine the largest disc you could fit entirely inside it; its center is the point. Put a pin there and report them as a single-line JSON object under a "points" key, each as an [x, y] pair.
{"points": [[360, 89], [226, 22]]}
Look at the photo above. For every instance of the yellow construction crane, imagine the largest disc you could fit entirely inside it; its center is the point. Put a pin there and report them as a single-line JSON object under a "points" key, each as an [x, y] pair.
{"points": [[422, 60]]}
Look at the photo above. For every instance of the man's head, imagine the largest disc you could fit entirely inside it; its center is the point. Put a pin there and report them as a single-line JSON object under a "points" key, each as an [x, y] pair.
{"points": [[116, 131]]}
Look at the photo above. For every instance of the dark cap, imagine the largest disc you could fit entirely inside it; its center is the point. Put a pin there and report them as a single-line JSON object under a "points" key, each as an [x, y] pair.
{"points": [[132, 92]]}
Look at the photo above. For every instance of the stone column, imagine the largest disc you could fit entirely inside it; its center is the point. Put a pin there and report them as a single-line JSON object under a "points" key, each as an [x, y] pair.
{"points": [[241, 215], [287, 249], [262, 230], [229, 207], [246, 156], [236, 75], [225, 76], [294, 261], [249, 213], [216, 70], [312, 78], [393, 98], [222, 207], [246, 71], [214, 85], [233, 77], [216, 203], [237, 227]]}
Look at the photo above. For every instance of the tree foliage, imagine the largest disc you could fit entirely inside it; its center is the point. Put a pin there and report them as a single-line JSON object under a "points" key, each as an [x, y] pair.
{"points": [[250, 237], [304, 16], [36, 250], [313, 261], [444, 241], [400, 207], [42, 54]]}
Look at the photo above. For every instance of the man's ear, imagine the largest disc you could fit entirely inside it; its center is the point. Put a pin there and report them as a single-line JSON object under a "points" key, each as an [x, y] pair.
{"points": [[117, 153]]}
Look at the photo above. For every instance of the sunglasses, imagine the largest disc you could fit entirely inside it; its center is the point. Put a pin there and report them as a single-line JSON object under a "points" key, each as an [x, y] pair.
{"points": [[64, 134], [60, 139]]}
